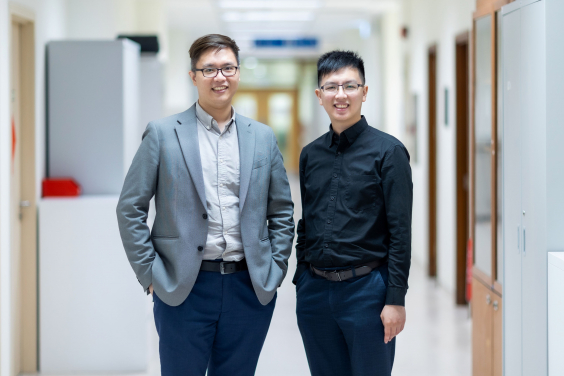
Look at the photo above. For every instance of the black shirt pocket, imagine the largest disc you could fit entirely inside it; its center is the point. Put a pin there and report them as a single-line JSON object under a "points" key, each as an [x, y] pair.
{"points": [[360, 192]]}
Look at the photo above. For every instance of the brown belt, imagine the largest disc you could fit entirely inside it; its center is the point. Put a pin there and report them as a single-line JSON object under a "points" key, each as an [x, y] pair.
{"points": [[344, 274]]}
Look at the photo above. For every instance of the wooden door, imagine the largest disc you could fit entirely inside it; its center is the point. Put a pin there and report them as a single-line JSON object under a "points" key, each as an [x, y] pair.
{"points": [[462, 164], [15, 185], [279, 110], [482, 329], [497, 335], [23, 212], [432, 158]]}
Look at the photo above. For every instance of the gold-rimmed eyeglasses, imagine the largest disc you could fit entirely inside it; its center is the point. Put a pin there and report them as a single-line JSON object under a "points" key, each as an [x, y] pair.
{"points": [[348, 88], [212, 72]]}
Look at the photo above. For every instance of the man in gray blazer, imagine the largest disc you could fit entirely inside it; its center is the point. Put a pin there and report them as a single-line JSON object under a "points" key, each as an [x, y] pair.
{"points": [[223, 229]]}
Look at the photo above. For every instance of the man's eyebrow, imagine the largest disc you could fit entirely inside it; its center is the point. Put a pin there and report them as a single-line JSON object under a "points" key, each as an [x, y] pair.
{"points": [[229, 64], [334, 83]]}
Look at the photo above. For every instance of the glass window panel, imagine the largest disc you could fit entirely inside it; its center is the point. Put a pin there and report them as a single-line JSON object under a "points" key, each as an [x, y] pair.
{"points": [[246, 105], [482, 147], [280, 111], [499, 151]]}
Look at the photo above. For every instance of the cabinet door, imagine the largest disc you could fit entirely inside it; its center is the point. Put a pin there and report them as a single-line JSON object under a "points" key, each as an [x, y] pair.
{"points": [[533, 145], [497, 336], [482, 354], [512, 213]]}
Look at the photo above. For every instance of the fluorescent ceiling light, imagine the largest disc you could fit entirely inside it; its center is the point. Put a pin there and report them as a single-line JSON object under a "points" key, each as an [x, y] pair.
{"points": [[264, 4], [257, 16]]}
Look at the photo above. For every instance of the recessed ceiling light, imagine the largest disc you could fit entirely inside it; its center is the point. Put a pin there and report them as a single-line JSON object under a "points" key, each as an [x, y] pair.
{"points": [[268, 16], [263, 4]]}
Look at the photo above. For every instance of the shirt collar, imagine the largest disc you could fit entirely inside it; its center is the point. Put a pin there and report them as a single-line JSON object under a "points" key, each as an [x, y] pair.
{"points": [[351, 133], [209, 122]]}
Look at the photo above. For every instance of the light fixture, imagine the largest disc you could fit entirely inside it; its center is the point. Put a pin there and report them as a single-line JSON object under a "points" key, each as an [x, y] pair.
{"points": [[267, 16], [263, 4]]}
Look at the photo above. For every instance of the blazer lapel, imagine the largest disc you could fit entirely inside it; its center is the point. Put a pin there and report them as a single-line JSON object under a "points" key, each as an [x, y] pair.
{"points": [[246, 137], [187, 133]]}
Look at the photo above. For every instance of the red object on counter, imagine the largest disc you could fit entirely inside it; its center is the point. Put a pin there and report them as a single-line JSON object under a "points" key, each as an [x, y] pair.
{"points": [[60, 187]]}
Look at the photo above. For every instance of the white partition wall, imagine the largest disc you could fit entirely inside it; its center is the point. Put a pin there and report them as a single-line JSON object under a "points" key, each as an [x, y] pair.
{"points": [[150, 91], [92, 111], [93, 312]]}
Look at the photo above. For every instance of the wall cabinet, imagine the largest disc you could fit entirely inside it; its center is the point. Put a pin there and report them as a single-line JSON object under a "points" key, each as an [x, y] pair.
{"points": [[524, 189]]}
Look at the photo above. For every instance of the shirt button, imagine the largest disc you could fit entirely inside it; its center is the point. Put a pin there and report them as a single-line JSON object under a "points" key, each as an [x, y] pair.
{"points": [[200, 248], [224, 208], [326, 245], [328, 221], [221, 185], [335, 175], [338, 153], [205, 216], [332, 198]]}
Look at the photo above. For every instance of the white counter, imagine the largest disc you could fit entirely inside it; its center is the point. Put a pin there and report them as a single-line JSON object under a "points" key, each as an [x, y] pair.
{"points": [[555, 313], [93, 313]]}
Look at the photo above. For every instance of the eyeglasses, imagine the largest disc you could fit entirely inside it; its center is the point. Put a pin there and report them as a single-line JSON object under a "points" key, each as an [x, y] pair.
{"points": [[348, 88], [212, 72]]}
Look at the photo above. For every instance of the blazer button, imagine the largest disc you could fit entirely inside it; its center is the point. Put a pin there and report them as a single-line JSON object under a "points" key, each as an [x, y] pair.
{"points": [[205, 216], [200, 248]]}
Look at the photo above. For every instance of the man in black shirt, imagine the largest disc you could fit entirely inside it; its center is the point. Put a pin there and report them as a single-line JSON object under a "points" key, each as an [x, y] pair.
{"points": [[354, 238]]}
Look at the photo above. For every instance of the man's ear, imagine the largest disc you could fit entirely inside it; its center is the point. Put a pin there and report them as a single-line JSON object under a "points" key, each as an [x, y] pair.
{"points": [[365, 92], [193, 77], [318, 94]]}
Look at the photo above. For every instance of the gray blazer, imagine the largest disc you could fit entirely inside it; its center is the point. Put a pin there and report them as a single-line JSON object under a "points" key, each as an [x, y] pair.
{"points": [[167, 166]]}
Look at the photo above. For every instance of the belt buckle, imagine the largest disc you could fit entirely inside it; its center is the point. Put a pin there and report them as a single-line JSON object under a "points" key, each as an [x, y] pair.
{"points": [[222, 267], [337, 272]]}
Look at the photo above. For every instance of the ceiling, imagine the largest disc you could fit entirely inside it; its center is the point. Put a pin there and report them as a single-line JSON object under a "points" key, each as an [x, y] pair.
{"points": [[248, 20]]}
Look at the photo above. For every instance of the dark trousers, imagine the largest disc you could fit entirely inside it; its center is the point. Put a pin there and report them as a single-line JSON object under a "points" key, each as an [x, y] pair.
{"points": [[220, 327], [341, 327]]}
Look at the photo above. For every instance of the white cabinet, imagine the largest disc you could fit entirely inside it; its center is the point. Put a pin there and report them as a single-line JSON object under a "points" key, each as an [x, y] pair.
{"points": [[92, 112], [555, 313], [524, 189]]}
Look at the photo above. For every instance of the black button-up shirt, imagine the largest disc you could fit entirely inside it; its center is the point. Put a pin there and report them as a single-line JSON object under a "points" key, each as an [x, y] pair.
{"points": [[357, 197]]}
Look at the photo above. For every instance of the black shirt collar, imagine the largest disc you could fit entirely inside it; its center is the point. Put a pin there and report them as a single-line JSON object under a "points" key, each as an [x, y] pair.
{"points": [[351, 133]]}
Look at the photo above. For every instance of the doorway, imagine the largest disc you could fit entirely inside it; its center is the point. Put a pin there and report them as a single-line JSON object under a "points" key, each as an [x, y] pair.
{"points": [[432, 157], [23, 210], [462, 163], [278, 108]]}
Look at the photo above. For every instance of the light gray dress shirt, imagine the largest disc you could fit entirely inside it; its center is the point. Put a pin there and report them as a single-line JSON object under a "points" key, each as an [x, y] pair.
{"points": [[219, 152]]}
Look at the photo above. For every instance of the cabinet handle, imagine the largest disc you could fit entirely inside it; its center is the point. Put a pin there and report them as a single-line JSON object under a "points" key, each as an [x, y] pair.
{"points": [[518, 238], [488, 299], [495, 305]]}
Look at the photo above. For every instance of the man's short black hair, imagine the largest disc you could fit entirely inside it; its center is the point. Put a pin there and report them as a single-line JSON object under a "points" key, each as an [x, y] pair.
{"points": [[334, 61]]}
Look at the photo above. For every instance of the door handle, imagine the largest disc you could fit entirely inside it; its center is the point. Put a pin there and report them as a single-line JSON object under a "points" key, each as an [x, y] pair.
{"points": [[488, 299], [495, 305], [524, 241]]}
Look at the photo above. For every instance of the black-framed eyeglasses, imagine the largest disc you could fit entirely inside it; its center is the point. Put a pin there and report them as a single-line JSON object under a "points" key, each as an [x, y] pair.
{"points": [[212, 72], [349, 88]]}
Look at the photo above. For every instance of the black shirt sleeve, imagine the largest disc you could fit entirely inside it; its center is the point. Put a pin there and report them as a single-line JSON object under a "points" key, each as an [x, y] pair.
{"points": [[300, 243], [398, 201]]}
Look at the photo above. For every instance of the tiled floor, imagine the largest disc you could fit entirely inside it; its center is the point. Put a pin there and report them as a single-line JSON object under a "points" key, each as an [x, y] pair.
{"points": [[436, 340]]}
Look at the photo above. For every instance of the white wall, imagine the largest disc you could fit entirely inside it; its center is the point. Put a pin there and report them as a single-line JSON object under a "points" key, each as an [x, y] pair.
{"points": [[434, 22]]}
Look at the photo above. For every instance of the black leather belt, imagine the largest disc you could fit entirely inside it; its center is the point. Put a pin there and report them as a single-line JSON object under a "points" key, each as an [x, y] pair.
{"points": [[344, 274], [224, 267]]}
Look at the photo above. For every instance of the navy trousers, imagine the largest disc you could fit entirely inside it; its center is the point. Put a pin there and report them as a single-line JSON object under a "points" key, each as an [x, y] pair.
{"points": [[220, 327], [341, 327]]}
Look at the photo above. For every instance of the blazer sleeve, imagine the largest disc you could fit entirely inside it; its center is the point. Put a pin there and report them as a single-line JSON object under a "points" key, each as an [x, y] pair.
{"points": [[280, 209], [133, 206]]}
